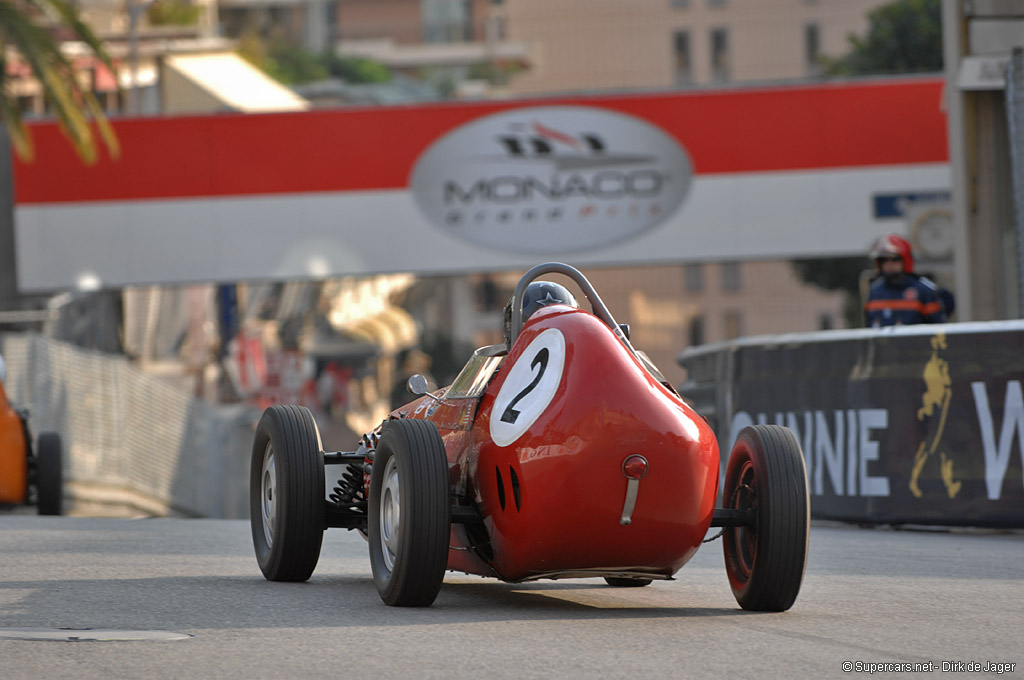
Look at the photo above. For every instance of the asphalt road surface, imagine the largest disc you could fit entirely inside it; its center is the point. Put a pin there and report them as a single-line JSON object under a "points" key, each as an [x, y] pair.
{"points": [[173, 598]]}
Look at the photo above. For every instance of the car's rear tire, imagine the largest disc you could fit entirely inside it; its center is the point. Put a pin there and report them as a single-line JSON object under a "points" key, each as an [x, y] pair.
{"points": [[286, 493], [621, 582], [765, 562], [49, 474], [409, 516]]}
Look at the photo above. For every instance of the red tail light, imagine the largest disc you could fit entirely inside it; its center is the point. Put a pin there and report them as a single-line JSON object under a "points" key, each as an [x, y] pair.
{"points": [[634, 467]]}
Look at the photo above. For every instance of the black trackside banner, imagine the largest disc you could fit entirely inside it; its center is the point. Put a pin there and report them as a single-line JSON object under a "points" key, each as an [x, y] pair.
{"points": [[919, 424]]}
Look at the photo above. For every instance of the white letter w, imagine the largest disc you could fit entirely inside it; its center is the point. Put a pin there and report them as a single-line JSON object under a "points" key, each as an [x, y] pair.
{"points": [[1013, 419]]}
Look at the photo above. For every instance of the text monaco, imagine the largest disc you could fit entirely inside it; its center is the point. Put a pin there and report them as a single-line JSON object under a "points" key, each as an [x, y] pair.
{"points": [[607, 184]]}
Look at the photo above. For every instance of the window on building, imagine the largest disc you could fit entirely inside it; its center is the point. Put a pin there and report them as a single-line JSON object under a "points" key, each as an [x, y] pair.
{"points": [[733, 325], [719, 55], [447, 21], [696, 330], [826, 322], [812, 49], [683, 63], [694, 277], [731, 279]]}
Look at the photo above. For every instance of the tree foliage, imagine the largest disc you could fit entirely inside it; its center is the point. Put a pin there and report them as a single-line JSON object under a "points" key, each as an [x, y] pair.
{"points": [[903, 37], [495, 72], [23, 36], [357, 69], [173, 13], [837, 274], [293, 66], [290, 64], [281, 60]]}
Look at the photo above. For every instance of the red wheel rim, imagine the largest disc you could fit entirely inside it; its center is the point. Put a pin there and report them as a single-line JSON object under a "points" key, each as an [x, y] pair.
{"points": [[744, 539]]}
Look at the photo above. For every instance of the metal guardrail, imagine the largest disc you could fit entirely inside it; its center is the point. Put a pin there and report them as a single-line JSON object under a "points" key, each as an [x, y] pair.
{"points": [[29, 316], [122, 429]]}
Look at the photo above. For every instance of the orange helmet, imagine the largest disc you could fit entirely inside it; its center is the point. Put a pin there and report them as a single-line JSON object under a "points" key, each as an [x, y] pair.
{"points": [[892, 244]]}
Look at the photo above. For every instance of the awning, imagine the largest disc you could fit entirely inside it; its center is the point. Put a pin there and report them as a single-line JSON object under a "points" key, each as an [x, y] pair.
{"points": [[199, 83]]}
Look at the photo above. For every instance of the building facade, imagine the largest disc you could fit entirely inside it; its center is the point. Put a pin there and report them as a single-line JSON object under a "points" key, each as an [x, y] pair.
{"points": [[587, 45], [616, 44]]}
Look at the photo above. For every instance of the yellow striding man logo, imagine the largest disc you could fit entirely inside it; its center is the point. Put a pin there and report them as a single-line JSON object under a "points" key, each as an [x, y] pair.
{"points": [[937, 395]]}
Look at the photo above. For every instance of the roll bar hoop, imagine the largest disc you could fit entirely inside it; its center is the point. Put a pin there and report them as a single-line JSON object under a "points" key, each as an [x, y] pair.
{"points": [[596, 304]]}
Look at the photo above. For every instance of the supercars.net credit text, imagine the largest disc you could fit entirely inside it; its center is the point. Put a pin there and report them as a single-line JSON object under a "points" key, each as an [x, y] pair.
{"points": [[929, 667]]}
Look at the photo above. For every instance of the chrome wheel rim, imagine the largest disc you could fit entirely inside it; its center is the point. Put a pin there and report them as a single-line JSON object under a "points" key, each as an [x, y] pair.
{"points": [[390, 514], [268, 494]]}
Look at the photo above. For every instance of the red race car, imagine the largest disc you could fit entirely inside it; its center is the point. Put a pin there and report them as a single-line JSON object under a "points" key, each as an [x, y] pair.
{"points": [[561, 453], [30, 469]]}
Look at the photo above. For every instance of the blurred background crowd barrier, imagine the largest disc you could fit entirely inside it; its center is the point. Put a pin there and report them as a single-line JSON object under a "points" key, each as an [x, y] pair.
{"points": [[909, 425], [905, 425], [133, 444]]}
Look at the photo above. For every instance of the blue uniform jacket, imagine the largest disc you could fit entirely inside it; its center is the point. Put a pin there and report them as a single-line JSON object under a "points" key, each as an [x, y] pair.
{"points": [[913, 299]]}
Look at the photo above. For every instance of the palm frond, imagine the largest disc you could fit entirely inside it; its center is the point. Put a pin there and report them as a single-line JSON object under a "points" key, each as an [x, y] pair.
{"points": [[69, 17], [10, 112], [72, 104], [71, 116], [15, 129], [52, 70], [103, 125]]}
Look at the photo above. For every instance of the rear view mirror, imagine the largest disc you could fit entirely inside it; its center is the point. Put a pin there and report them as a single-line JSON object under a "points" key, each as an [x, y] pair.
{"points": [[417, 384]]}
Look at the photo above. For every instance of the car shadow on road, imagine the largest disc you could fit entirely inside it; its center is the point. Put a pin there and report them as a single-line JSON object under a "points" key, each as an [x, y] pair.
{"points": [[575, 600], [233, 602]]}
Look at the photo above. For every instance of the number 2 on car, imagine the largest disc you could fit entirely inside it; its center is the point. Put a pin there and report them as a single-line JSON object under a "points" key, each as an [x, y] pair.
{"points": [[529, 388]]}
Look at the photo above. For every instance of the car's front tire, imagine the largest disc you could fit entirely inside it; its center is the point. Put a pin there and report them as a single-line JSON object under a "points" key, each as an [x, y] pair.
{"points": [[409, 516], [286, 493]]}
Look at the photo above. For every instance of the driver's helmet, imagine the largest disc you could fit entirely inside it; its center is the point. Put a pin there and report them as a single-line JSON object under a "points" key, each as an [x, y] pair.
{"points": [[538, 294], [894, 246]]}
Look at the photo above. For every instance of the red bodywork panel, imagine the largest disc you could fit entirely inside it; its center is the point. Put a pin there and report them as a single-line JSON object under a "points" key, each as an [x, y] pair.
{"points": [[552, 499]]}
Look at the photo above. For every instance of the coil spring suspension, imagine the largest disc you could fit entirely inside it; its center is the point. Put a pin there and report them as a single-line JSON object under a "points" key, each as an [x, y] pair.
{"points": [[348, 494]]}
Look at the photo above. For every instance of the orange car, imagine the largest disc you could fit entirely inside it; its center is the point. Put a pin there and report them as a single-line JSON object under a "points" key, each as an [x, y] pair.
{"points": [[29, 475]]}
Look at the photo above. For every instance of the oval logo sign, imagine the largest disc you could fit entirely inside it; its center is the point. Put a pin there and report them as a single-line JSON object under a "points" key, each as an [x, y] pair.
{"points": [[551, 179]]}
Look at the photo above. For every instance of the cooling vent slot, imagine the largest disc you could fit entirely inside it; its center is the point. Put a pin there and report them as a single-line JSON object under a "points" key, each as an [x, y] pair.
{"points": [[501, 488], [515, 488]]}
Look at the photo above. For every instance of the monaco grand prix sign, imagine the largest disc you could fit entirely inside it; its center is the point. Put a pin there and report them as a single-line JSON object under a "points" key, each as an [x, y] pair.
{"points": [[669, 177], [551, 180]]}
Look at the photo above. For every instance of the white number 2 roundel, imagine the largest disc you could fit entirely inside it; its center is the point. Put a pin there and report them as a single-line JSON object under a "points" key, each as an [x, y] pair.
{"points": [[529, 388]]}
